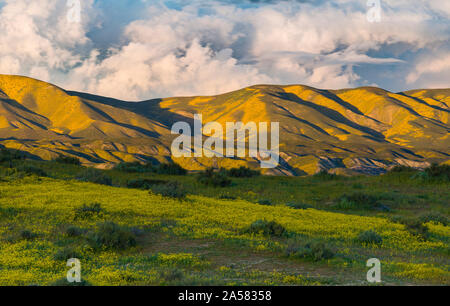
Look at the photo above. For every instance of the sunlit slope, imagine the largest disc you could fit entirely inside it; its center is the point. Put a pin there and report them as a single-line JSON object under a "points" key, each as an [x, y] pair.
{"points": [[352, 130]]}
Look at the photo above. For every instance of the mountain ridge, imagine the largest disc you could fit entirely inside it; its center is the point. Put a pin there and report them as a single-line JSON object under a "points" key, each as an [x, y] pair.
{"points": [[360, 130]]}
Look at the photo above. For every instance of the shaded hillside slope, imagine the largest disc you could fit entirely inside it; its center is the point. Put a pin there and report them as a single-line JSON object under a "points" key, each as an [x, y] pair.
{"points": [[352, 130]]}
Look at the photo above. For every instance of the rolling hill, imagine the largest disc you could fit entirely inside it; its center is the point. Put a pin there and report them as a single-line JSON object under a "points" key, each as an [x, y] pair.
{"points": [[362, 130]]}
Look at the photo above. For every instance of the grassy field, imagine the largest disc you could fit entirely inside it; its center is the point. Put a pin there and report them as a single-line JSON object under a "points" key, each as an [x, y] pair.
{"points": [[317, 230]]}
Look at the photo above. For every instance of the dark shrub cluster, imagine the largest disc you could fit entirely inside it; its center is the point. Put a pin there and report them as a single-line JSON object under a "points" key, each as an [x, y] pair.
{"points": [[359, 200], [7, 155], [299, 205], [414, 226], [27, 235], [144, 184], [402, 169], [68, 160], [434, 217], [314, 250], [88, 211], [265, 202], [267, 228], [66, 254], [110, 235], [95, 176], [171, 189], [212, 178], [170, 169], [164, 168], [369, 237], [438, 172], [323, 175], [242, 172], [73, 231], [31, 170]]}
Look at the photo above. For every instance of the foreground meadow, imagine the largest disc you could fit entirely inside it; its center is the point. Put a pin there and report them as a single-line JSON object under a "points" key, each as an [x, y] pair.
{"points": [[216, 236]]}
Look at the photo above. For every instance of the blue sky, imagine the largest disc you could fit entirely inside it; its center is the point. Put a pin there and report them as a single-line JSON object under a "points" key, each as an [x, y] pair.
{"points": [[145, 49]]}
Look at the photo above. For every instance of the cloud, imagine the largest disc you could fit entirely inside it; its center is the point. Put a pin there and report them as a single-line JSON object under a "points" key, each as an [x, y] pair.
{"points": [[156, 49]]}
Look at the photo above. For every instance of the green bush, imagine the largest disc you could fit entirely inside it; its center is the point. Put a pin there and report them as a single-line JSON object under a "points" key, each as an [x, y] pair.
{"points": [[68, 160], [171, 275], [434, 217], [216, 179], [73, 231], [7, 155], [109, 235], [243, 172], [402, 169], [359, 200], [170, 169], [8, 212], [88, 211], [414, 226], [31, 170], [299, 205], [145, 184], [134, 167], [265, 202], [27, 235], [95, 176], [66, 254], [438, 172], [369, 237], [267, 228], [311, 249], [323, 175], [226, 196], [170, 189]]}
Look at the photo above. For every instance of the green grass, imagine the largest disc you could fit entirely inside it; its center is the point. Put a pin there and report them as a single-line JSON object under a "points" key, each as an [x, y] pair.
{"points": [[219, 236]]}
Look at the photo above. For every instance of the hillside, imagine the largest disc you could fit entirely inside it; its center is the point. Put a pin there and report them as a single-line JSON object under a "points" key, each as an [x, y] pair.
{"points": [[347, 131]]}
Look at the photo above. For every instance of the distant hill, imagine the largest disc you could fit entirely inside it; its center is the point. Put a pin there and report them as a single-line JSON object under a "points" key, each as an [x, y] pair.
{"points": [[362, 130]]}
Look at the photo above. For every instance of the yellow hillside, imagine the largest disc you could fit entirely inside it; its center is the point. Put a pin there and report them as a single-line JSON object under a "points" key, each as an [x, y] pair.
{"points": [[363, 130]]}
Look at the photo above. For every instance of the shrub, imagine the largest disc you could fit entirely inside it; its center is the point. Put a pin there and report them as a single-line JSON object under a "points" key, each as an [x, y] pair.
{"points": [[414, 226], [171, 275], [27, 235], [401, 169], [311, 249], [226, 196], [299, 205], [417, 228], [68, 160], [145, 184], [323, 175], [109, 235], [32, 170], [369, 237], [7, 155], [434, 217], [170, 169], [66, 254], [94, 176], [243, 172], [438, 172], [170, 189], [134, 167], [359, 200], [88, 211], [265, 202], [267, 228], [73, 231], [8, 212], [215, 179]]}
